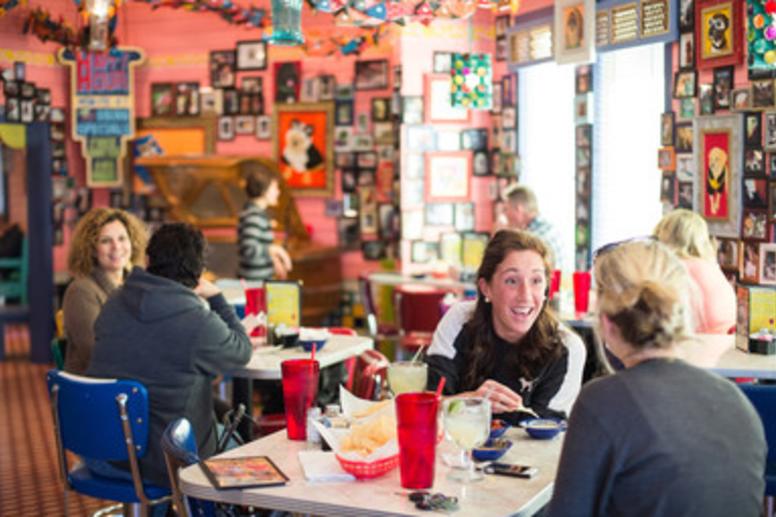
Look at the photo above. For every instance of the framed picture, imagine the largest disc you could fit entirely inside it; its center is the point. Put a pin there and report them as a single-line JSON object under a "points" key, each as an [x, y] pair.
{"points": [[225, 128], [244, 125], [464, 217], [755, 193], [450, 248], [754, 225], [718, 33], [309, 92], [497, 98], [412, 110], [287, 81], [373, 250], [439, 214], [762, 93], [583, 79], [772, 204], [252, 84], [706, 98], [754, 161], [211, 101], [753, 129], [686, 15], [718, 141], [422, 252], [187, 99], [162, 99], [770, 131], [666, 159], [439, 109], [327, 86], [687, 51], [723, 85], [686, 108], [684, 196], [667, 128], [750, 262], [263, 127], [448, 176], [684, 137], [222, 68], [728, 254], [303, 138], [480, 163], [574, 32], [251, 55], [768, 263], [684, 84], [231, 101], [772, 167], [371, 75], [501, 48], [668, 188], [443, 62], [343, 112], [740, 99], [474, 139], [381, 109]]}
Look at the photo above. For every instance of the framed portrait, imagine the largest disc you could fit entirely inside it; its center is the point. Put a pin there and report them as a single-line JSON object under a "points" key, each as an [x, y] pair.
{"points": [[574, 32], [687, 51], [448, 176], [685, 84], [498, 94], [583, 79], [667, 128], [244, 125], [728, 254], [769, 142], [723, 85], [211, 101], [480, 163], [303, 138], [225, 128], [768, 263], [740, 99], [718, 143], [251, 55], [754, 161], [287, 81], [750, 262], [343, 112], [474, 139], [684, 137], [754, 225], [686, 15], [252, 84], [381, 109], [309, 92], [668, 188], [706, 99], [231, 101], [762, 93], [222, 68], [162, 99], [666, 159], [718, 33], [187, 98], [438, 108], [327, 86], [684, 194], [753, 129], [372, 74], [755, 193], [263, 127]]}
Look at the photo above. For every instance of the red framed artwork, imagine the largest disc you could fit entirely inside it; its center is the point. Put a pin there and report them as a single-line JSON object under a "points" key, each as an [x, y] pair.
{"points": [[716, 169], [719, 33], [303, 137], [438, 102], [448, 176]]}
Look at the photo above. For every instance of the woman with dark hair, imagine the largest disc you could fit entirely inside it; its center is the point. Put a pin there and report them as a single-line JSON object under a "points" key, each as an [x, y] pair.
{"points": [[507, 345]]}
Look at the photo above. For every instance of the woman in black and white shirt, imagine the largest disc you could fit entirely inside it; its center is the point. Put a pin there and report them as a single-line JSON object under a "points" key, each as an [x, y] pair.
{"points": [[507, 344]]}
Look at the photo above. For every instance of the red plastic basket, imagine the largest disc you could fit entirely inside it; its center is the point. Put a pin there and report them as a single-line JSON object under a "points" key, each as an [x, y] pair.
{"points": [[369, 470]]}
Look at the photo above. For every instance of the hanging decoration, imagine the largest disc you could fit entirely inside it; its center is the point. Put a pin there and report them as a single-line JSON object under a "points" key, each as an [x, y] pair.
{"points": [[99, 19], [286, 23], [226, 9], [41, 24], [352, 44], [472, 81], [7, 5]]}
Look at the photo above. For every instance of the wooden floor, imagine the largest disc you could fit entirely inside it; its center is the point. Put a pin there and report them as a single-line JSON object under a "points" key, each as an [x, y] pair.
{"points": [[29, 474]]}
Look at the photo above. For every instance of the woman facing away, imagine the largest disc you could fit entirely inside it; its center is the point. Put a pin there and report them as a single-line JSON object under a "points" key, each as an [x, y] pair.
{"points": [[661, 437], [507, 345], [106, 243], [712, 297]]}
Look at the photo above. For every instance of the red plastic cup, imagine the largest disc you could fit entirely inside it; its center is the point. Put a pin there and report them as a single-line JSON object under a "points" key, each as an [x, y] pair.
{"points": [[300, 387], [554, 283], [416, 415], [255, 303], [581, 291]]}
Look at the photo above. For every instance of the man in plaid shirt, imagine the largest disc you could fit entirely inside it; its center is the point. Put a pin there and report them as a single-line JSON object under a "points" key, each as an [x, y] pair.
{"points": [[522, 212]]}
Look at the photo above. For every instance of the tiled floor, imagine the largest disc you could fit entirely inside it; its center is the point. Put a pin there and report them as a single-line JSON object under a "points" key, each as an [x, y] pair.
{"points": [[29, 473]]}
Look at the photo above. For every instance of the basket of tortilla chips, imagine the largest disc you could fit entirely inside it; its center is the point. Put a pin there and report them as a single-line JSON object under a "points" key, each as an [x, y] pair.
{"points": [[368, 448]]}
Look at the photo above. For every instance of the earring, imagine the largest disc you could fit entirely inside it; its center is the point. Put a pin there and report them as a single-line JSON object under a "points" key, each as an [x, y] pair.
{"points": [[487, 300]]}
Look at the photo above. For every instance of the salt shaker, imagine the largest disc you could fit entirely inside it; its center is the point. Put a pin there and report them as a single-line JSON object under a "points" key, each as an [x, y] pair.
{"points": [[313, 436]]}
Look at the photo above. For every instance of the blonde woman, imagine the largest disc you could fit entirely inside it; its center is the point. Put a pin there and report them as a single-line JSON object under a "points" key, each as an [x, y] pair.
{"points": [[712, 297], [661, 437], [106, 243]]}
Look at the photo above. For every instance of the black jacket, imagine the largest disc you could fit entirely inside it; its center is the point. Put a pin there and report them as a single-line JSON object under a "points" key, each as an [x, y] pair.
{"points": [[159, 332]]}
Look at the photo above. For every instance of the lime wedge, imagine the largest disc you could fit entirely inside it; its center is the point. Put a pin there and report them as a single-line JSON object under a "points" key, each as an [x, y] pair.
{"points": [[455, 407]]}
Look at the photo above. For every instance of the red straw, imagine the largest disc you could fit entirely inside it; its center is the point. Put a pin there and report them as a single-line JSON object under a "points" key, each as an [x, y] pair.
{"points": [[440, 387]]}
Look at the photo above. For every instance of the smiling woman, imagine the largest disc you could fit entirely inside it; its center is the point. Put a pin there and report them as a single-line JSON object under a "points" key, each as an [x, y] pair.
{"points": [[507, 345], [107, 242]]}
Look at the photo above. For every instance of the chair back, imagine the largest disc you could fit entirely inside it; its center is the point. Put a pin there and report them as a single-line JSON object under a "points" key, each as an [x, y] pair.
{"points": [[763, 398], [180, 450], [370, 371], [418, 307]]}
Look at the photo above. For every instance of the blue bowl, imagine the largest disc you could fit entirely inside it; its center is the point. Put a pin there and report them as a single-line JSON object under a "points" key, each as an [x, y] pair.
{"points": [[498, 427], [492, 450], [309, 344], [543, 428]]}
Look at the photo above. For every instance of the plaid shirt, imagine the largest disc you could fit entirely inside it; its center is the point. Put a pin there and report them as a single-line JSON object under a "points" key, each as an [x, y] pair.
{"points": [[542, 228]]}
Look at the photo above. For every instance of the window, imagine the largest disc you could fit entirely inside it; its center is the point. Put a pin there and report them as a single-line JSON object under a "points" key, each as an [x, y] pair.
{"points": [[629, 97], [546, 145]]}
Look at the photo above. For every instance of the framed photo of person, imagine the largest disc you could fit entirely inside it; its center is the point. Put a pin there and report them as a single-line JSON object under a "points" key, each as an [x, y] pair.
{"points": [[728, 254], [718, 143], [684, 137], [687, 51], [251, 55], [740, 99], [754, 162], [768, 263], [222, 68], [762, 93], [667, 128], [448, 176], [718, 33], [723, 85], [685, 84], [753, 129], [574, 32]]}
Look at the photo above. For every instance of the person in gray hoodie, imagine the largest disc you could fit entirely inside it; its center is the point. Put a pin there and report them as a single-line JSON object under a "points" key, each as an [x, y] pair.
{"points": [[174, 332]]}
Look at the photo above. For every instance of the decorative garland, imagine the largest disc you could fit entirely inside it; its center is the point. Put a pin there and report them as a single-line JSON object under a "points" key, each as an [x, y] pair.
{"points": [[251, 16], [41, 24], [7, 5]]}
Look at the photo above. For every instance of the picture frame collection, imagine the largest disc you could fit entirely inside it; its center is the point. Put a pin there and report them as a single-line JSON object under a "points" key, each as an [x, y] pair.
{"points": [[583, 158]]}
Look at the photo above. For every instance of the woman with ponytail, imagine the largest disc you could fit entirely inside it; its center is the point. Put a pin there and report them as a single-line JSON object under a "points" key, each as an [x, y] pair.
{"points": [[661, 437], [507, 345]]}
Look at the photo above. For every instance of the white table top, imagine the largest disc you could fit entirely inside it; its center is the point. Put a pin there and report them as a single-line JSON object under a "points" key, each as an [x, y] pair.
{"points": [[265, 361], [718, 353], [493, 496], [399, 279]]}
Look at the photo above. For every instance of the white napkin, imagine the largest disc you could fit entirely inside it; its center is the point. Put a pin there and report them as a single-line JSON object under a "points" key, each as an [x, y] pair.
{"points": [[322, 467], [251, 321]]}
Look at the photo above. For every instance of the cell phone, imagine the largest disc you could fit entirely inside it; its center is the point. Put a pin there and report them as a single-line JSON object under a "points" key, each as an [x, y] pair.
{"points": [[508, 469]]}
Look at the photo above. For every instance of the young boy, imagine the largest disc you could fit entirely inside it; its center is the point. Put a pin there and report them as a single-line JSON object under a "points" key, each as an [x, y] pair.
{"points": [[260, 258]]}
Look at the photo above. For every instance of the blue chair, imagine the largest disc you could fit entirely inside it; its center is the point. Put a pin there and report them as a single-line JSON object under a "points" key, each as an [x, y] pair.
{"points": [[763, 398], [102, 419], [180, 450], [18, 272]]}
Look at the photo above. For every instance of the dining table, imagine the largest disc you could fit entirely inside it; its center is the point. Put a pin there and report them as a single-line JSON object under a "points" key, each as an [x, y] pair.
{"points": [[718, 353], [265, 364], [383, 496]]}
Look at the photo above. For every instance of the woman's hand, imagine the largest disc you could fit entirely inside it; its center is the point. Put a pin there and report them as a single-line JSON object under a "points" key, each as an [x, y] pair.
{"points": [[502, 399], [206, 289]]}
